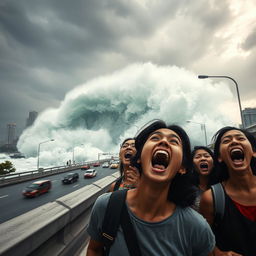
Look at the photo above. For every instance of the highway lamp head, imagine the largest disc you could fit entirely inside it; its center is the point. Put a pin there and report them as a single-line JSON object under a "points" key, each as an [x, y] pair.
{"points": [[202, 76]]}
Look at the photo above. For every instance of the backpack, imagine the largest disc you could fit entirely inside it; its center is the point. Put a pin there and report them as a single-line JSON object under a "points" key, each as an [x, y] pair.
{"points": [[116, 214], [218, 203]]}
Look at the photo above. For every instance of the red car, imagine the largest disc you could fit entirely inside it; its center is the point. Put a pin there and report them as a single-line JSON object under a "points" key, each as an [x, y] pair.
{"points": [[37, 188], [85, 167], [96, 164], [90, 173]]}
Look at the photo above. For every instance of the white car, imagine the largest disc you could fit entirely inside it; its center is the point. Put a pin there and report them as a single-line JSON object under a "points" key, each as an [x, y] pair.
{"points": [[105, 165], [91, 173]]}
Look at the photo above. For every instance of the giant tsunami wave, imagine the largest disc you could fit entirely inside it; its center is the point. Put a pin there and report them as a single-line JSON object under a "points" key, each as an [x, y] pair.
{"points": [[95, 117]]}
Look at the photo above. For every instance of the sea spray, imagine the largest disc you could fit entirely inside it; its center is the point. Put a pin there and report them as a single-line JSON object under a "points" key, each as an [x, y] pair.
{"points": [[95, 117]]}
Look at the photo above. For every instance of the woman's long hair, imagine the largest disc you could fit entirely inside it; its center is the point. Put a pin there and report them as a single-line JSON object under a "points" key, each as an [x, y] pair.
{"points": [[181, 191]]}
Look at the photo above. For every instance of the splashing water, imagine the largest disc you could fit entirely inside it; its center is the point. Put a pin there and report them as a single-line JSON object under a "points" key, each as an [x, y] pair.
{"points": [[104, 111]]}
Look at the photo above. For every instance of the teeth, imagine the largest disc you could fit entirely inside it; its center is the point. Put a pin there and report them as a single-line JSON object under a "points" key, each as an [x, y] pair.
{"points": [[236, 150], [161, 152], [237, 154], [160, 159]]}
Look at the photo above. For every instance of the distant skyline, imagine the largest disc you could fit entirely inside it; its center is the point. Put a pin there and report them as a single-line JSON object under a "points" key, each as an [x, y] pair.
{"points": [[31, 116], [49, 47]]}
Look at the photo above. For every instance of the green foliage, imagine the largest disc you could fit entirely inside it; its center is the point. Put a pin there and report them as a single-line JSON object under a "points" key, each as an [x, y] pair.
{"points": [[6, 167]]}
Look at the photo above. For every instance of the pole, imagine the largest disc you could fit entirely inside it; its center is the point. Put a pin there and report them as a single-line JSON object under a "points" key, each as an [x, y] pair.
{"points": [[38, 152], [203, 128], [205, 136], [73, 154], [237, 91]]}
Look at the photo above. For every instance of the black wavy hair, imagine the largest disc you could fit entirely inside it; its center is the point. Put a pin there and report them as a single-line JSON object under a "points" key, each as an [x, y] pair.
{"points": [[208, 150], [221, 168], [181, 191], [195, 174], [121, 166]]}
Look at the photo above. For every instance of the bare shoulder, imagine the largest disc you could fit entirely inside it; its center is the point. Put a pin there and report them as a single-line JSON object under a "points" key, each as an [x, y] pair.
{"points": [[111, 189], [206, 197], [206, 206]]}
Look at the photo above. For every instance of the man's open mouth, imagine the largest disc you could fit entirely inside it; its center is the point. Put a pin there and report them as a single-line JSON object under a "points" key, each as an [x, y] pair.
{"points": [[237, 155], [160, 159]]}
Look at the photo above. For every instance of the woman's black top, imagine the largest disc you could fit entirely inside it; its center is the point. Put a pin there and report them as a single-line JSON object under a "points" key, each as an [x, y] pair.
{"points": [[235, 232]]}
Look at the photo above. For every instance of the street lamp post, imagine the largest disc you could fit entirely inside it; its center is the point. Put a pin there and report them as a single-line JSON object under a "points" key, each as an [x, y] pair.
{"points": [[38, 151], [203, 128], [73, 158], [237, 90]]}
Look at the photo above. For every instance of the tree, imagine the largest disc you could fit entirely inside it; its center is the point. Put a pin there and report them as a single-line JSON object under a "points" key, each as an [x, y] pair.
{"points": [[6, 167]]}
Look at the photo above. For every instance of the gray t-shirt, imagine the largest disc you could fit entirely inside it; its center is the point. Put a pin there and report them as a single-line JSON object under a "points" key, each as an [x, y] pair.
{"points": [[184, 233]]}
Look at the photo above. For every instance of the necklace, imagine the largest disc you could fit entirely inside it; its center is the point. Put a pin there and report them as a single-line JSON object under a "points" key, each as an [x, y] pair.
{"points": [[129, 186]]}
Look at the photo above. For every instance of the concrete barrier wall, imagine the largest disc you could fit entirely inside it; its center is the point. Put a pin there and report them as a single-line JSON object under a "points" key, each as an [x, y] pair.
{"points": [[56, 228]]}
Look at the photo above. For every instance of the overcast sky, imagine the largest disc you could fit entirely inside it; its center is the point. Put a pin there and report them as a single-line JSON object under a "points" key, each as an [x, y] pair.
{"points": [[48, 47]]}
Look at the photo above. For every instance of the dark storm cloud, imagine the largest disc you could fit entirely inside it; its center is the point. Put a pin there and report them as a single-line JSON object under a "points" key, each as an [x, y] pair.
{"points": [[48, 47], [15, 25], [53, 33]]}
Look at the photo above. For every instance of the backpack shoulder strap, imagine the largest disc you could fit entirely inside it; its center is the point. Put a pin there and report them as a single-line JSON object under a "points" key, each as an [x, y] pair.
{"points": [[118, 182], [112, 217], [129, 233], [218, 201]]}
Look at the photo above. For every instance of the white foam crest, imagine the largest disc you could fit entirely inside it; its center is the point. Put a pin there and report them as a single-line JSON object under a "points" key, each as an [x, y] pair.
{"points": [[105, 110]]}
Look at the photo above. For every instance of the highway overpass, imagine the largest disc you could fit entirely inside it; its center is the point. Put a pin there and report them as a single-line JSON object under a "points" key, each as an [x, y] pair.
{"points": [[57, 223]]}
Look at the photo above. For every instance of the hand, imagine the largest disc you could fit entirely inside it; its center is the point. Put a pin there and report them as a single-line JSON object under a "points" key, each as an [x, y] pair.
{"points": [[132, 176], [218, 252]]}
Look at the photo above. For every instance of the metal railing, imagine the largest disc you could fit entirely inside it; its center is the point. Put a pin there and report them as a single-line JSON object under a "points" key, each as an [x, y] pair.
{"points": [[13, 178]]}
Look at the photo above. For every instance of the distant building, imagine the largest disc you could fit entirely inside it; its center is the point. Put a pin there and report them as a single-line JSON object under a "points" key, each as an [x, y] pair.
{"points": [[31, 118], [11, 139], [249, 116], [252, 130]]}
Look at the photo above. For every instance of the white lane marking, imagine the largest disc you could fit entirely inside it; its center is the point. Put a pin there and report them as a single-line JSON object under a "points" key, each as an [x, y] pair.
{"points": [[54, 180], [3, 196], [75, 185]]}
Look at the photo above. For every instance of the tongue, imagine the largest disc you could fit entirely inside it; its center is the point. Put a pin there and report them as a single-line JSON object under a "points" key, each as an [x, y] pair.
{"points": [[159, 166]]}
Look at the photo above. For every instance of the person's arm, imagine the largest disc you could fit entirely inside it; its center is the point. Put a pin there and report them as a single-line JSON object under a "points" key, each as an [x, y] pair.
{"points": [[218, 252], [206, 207], [95, 248], [111, 189]]}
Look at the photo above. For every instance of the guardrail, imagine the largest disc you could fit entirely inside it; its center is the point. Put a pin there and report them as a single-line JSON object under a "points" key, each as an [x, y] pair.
{"points": [[57, 228], [13, 178]]}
